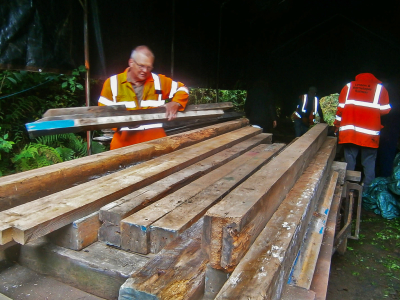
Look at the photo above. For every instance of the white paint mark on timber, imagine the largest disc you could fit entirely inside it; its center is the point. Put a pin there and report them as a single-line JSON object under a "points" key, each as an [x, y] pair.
{"points": [[235, 279], [286, 225], [276, 252]]}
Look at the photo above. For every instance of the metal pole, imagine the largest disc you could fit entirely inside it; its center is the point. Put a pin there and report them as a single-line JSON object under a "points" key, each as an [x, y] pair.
{"points": [[87, 86], [173, 40]]}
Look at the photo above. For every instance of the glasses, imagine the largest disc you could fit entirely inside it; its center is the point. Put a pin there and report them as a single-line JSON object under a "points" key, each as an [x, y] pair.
{"points": [[142, 67]]}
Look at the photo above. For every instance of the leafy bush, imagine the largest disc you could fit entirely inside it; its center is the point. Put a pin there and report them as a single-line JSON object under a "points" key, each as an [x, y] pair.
{"points": [[24, 97], [204, 95]]}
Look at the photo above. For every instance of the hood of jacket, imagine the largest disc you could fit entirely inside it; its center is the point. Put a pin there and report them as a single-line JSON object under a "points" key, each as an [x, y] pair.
{"points": [[367, 77]]}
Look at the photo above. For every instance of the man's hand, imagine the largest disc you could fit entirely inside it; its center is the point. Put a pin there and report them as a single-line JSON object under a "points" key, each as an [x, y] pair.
{"points": [[171, 108], [274, 123]]}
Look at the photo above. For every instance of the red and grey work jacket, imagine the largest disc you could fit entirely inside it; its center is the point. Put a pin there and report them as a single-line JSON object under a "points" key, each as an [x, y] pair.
{"points": [[157, 88], [358, 116]]}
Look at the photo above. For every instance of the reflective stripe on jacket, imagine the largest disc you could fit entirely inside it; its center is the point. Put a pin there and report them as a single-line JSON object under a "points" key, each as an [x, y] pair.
{"points": [[302, 112], [361, 105], [157, 88]]}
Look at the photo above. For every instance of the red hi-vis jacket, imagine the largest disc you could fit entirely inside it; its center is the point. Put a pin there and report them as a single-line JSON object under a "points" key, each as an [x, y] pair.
{"points": [[361, 104]]}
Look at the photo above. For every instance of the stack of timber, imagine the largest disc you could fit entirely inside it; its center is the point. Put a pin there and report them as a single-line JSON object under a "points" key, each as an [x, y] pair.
{"points": [[220, 217], [76, 119]]}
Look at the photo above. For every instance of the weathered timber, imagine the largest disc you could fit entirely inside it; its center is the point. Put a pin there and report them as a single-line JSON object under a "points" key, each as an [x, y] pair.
{"points": [[297, 293], [353, 175], [182, 217], [99, 269], [135, 229], [214, 280], [255, 200], [40, 128], [263, 271], [4, 297], [112, 214], [42, 216], [235, 244], [177, 272], [30, 185], [303, 270], [79, 234], [340, 167], [320, 279], [120, 110], [174, 127]]}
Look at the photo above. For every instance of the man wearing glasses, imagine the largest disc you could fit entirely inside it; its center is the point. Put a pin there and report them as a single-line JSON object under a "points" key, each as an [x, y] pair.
{"points": [[138, 88]]}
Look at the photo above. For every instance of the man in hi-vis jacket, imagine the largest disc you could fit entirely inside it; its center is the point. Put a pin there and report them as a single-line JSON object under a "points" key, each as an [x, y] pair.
{"points": [[138, 88], [358, 120]]}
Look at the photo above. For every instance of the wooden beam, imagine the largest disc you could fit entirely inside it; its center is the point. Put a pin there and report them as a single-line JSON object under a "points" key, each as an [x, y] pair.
{"points": [[73, 125], [177, 272], [135, 229], [120, 110], [291, 292], [42, 216], [320, 279], [164, 230], [255, 200], [30, 185], [112, 214], [265, 268], [303, 270], [79, 234]]}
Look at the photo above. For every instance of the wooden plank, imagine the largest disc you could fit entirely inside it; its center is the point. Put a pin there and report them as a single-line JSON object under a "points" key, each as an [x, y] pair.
{"points": [[214, 281], [112, 214], [340, 167], [255, 200], [353, 175], [178, 220], [303, 270], [30, 185], [79, 234], [265, 268], [115, 110], [42, 216], [177, 272], [320, 279], [99, 269], [292, 292], [40, 128], [135, 229]]}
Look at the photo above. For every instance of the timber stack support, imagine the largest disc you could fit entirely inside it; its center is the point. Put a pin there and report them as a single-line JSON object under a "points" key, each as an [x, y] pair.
{"points": [[219, 212]]}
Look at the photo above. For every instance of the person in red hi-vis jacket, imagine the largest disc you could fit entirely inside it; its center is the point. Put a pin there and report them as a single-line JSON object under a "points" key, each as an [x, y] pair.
{"points": [[358, 121], [139, 88]]}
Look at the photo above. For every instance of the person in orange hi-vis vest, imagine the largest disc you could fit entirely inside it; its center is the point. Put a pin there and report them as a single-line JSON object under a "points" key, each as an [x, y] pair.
{"points": [[138, 88], [358, 121]]}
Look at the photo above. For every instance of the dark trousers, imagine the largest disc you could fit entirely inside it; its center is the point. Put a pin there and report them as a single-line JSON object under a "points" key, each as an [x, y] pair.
{"points": [[300, 128], [368, 157]]}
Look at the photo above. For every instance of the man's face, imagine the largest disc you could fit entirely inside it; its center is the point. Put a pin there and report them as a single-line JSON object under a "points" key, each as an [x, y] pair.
{"points": [[141, 66]]}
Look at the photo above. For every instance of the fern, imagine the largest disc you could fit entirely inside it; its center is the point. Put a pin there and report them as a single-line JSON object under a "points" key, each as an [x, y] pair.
{"points": [[65, 153], [35, 156]]}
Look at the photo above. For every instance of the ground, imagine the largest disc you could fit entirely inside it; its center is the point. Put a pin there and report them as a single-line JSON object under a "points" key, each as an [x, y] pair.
{"points": [[370, 268]]}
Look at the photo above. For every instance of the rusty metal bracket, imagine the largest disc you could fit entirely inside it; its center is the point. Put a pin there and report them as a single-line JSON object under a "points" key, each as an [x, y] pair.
{"points": [[352, 187]]}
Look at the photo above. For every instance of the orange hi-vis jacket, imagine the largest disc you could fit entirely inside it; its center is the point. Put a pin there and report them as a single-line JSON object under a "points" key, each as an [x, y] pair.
{"points": [[361, 104], [157, 88]]}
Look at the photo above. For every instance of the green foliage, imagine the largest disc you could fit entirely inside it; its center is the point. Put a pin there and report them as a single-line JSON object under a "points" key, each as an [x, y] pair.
{"points": [[6, 147], [36, 156], [25, 96], [204, 95], [329, 106]]}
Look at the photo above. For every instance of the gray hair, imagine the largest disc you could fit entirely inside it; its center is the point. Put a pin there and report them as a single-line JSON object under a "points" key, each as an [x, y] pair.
{"points": [[144, 50]]}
